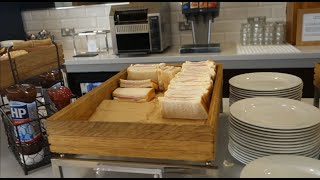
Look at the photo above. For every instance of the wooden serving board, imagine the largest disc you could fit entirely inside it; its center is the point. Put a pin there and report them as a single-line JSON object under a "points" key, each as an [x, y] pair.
{"points": [[129, 132], [316, 76], [39, 60]]}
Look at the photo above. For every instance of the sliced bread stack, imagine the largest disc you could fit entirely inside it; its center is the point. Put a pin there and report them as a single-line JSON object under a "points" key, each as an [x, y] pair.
{"points": [[165, 74], [189, 92]]}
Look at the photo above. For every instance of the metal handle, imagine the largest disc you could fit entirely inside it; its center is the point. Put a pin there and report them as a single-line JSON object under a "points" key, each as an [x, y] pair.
{"points": [[209, 31], [193, 33]]}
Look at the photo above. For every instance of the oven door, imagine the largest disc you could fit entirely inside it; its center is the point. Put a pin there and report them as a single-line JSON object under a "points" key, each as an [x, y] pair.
{"points": [[133, 42]]}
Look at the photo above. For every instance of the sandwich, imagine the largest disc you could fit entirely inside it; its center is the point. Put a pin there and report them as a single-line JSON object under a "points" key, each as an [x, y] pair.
{"points": [[148, 83], [144, 71], [165, 75], [189, 92], [134, 94]]}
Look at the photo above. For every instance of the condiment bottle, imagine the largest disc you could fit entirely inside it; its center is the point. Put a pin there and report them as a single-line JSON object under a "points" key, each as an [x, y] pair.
{"points": [[24, 114], [60, 96], [49, 80]]}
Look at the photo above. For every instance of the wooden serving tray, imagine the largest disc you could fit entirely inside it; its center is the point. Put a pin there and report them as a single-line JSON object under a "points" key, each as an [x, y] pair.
{"points": [[70, 130], [38, 61], [316, 76]]}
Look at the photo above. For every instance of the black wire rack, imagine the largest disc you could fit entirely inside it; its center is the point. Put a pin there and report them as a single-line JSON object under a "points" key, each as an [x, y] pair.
{"points": [[36, 154], [26, 158]]}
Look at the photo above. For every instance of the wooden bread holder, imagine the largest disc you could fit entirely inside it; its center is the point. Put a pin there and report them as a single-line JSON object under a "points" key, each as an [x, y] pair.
{"points": [[70, 132], [39, 60]]}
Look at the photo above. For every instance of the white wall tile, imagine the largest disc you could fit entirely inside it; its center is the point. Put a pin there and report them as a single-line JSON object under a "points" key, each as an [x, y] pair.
{"points": [[76, 12], [260, 11], [232, 37], [174, 17], [175, 6], [186, 39], [33, 26], [57, 13], [272, 3], [95, 11], [40, 14], [69, 23], [26, 15], [67, 44], [227, 26], [233, 13], [277, 19], [57, 34], [217, 38], [103, 22], [278, 12], [175, 28], [176, 40], [237, 4], [52, 24], [107, 10], [87, 22]]}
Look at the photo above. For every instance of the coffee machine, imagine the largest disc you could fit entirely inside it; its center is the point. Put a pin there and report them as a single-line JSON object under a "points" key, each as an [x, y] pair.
{"points": [[201, 16]]}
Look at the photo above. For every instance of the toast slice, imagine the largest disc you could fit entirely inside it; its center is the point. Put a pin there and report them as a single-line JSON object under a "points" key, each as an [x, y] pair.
{"points": [[134, 94], [148, 83]]}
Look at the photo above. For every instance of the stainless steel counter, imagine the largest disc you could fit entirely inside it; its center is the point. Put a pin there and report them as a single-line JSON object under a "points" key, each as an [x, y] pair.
{"points": [[107, 62]]}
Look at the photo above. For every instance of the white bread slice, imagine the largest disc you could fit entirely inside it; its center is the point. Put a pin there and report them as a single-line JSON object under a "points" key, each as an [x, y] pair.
{"points": [[148, 83], [183, 109], [144, 71], [189, 92], [133, 94], [140, 73], [165, 75]]}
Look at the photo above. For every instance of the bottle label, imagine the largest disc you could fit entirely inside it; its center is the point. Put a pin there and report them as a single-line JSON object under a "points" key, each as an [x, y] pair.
{"points": [[212, 4], [24, 113], [185, 5], [194, 5], [52, 108], [203, 4]]}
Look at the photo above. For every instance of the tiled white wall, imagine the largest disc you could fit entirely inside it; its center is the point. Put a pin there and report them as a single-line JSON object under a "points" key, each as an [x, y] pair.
{"points": [[225, 28], [82, 18]]}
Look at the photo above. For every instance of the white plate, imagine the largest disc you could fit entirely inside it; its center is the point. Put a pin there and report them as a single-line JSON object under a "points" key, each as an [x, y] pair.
{"points": [[244, 150], [266, 149], [265, 81], [250, 155], [237, 157], [261, 139], [274, 132], [298, 98], [247, 158], [312, 142], [282, 166], [297, 88], [270, 95], [241, 96], [297, 91], [276, 113]]}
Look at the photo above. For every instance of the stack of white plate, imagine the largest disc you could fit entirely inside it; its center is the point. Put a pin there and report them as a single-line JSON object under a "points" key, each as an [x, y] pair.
{"points": [[282, 166], [269, 84], [261, 127]]}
